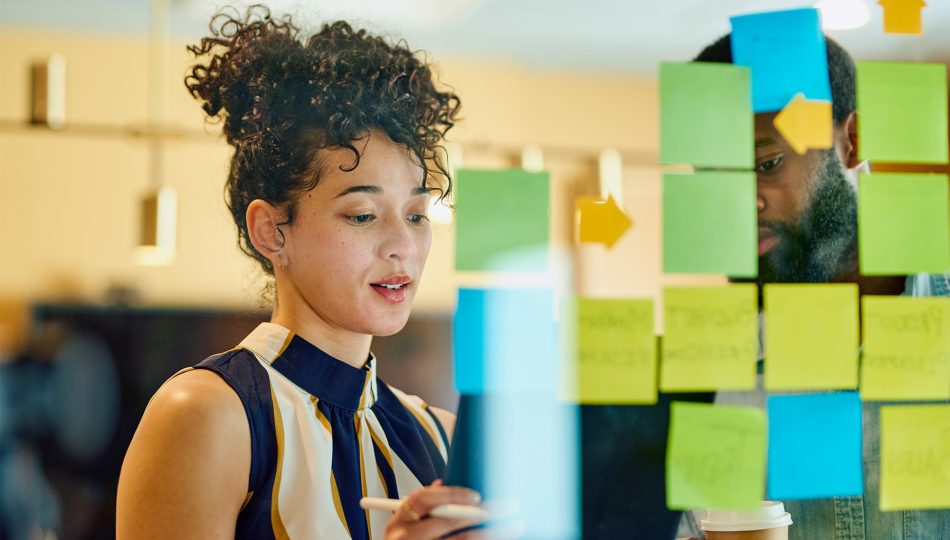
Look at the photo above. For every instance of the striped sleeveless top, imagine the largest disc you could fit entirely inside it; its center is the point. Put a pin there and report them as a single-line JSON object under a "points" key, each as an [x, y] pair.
{"points": [[323, 435]]}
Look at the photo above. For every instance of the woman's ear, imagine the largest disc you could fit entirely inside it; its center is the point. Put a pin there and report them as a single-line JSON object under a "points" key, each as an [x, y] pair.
{"points": [[263, 219]]}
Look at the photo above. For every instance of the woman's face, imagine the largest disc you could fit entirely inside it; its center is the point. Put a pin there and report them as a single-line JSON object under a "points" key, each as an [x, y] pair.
{"points": [[359, 241]]}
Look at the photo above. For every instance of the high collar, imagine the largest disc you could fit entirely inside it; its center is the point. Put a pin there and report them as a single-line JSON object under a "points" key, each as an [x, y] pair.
{"points": [[303, 363]]}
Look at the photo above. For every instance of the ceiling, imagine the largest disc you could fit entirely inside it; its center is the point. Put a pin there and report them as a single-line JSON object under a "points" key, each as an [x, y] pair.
{"points": [[620, 36]]}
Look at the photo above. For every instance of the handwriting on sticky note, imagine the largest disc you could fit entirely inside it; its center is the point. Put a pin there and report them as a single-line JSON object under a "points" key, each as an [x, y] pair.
{"points": [[715, 456], [616, 351], [906, 353], [915, 457], [711, 338]]}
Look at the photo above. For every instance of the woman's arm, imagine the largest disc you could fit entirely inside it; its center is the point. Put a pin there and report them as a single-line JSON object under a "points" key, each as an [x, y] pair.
{"points": [[186, 471]]}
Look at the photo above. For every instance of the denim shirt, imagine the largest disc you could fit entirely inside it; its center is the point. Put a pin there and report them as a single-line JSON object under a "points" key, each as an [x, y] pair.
{"points": [[860, 517]]}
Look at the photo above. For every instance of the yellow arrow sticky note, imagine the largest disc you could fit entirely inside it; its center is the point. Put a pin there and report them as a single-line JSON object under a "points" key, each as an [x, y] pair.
{"points": [[906, 353], [601, 221], [811, 336], [805, 123], [915, 446], [616, 352], [711, 339], [902, 16]]}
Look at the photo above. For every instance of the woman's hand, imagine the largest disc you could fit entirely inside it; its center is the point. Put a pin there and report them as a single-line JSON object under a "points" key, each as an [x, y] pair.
{"points": [[413, 522]]}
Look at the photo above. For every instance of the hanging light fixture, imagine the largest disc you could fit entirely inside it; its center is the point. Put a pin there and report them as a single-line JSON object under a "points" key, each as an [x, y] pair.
{"points": [[843, 14]]}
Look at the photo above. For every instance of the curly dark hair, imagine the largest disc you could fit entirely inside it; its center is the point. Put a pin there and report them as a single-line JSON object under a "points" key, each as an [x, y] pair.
{"points": [[282, 99]]}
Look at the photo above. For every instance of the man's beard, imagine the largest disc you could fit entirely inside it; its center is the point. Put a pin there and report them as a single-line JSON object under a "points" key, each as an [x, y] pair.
{"points": [[822, 245]]}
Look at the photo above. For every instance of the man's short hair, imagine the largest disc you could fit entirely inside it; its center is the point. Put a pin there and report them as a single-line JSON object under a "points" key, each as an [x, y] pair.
{"points": [[840, 72]]}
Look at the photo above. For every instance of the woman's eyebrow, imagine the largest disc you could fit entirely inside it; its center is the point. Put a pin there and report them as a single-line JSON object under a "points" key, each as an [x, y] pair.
{"points": [[360, 189]]}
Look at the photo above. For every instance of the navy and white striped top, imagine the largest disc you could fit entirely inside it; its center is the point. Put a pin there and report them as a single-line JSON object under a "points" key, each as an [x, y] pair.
{"points": [[323, 435]]}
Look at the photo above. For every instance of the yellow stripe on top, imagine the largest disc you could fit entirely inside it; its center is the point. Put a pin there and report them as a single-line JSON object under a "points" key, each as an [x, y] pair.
{"points": [[358, 424], [320, 416], [363, 395], [422, 421], [280, 532], [290, 337], [338, 504], [384, 450]]}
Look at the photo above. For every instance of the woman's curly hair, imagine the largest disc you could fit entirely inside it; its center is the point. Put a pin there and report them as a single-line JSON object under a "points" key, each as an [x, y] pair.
{"points": [[282, 99]]}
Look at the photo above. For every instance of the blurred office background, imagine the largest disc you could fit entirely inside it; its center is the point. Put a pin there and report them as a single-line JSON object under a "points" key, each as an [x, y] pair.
{"points": [[95, 122]]}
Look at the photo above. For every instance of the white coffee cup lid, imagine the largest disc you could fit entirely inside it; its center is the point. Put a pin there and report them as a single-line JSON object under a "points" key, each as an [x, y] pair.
{"points": [[770, 515]]}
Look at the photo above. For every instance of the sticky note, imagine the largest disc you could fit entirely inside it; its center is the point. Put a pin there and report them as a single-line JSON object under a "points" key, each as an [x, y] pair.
{"points": [[706, 102], [710, 223], [711, 339], [805, 124], [906, 348], [815, 446], [902, 111], [903, 224], [502, 221], [616, 351], [902, 16], [915, 457], [811, 336], [715, 457], [505, 341], [601, 221], [787, 53]]}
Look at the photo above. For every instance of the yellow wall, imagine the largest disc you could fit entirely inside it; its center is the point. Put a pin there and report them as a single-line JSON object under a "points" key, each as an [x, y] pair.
{"points": [[69, 210]]}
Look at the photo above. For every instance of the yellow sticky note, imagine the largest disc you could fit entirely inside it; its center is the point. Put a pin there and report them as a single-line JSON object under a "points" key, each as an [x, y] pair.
{"points": [[915, 457], [902, 16], [711, 339], [906, 348], [805, 123], [616, 352], [811, 336], [601, 221]]}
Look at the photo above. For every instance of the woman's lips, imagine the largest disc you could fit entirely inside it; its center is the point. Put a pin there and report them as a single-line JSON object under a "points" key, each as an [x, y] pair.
{"points": [[767, 240], [391, 295]]}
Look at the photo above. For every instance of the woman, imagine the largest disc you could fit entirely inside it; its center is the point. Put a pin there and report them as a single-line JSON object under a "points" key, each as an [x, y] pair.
{"points": [[335, 144]]}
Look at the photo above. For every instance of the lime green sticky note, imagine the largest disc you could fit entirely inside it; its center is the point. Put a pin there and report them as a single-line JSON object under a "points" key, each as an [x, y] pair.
{"points": [[709, 223], [715, 457], [902, 112], [501, 220], [711, 339], [906, 348], [903, 224], [811, 336], [616, 351], [706, 102], [915, 457]]}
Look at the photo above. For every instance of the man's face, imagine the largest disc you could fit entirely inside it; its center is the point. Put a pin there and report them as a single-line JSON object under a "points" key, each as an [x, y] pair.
{"points": [[807, 211]]}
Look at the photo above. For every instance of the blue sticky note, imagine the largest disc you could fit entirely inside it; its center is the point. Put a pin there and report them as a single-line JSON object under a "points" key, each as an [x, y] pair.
{"points": [[787, 54], [505, 341], [814, 446]]}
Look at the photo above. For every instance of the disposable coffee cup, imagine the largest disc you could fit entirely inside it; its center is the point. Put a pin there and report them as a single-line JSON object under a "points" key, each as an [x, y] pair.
{"points": [[769, 522]]}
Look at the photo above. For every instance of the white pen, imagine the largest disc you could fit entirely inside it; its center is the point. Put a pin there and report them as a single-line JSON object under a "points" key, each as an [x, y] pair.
{"points": [[450, 511]]}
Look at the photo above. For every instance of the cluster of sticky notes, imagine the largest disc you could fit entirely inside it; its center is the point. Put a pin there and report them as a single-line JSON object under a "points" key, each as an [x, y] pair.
{"points": [[616, 351], [505, 341], [903, 223], [710, 223], [902, 109], [715, 456], [811, 336], [711, 339], [814, 446], [906, 348], [915, 457], [502, 221]]}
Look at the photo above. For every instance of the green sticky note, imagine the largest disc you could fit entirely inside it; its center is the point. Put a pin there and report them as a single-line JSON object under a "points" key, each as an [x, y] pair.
{"points": [[616, 352], [715, 457], [915, 447], [902, 112], [811, 336], [711, 339], [903, 224], [706, 115], [906, 348], [501, 221], [710, 223]]}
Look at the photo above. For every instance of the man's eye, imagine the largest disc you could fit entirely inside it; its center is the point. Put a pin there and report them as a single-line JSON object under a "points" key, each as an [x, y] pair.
{"points": [[769, 164], [361, 218]]}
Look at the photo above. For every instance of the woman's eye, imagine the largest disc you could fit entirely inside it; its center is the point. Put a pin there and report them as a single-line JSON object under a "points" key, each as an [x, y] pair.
{"points": [[769, 164], [361, 218], [418, 218]]}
